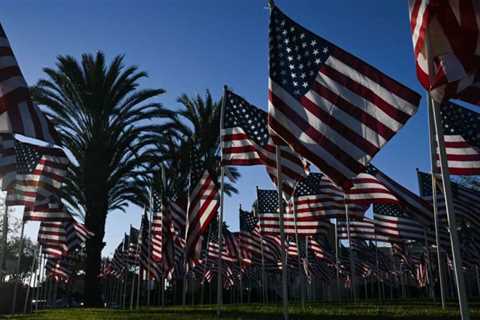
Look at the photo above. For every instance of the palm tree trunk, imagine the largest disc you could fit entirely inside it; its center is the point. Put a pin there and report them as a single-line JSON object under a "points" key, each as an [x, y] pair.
{"points": [[95, 221]]}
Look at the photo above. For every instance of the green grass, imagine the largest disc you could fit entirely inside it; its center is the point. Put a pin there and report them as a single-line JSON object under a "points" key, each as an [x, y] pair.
{"points": [[400, 310]]}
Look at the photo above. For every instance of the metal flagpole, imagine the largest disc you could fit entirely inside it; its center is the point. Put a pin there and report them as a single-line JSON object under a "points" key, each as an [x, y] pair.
{"points": [[220, 217], [429, 266], [149, 267], [281, 208], [32, 277], [299, 259], [350, 254], [337, 262], [447, 193], [4, 243], [164, 213], [240, 262], [264, 282], [17, 268], [39, 277], [309, 285], [433, 160]]}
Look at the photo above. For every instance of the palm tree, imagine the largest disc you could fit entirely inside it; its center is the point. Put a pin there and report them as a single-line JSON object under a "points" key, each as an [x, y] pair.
{"points": [[198, 124], [106, 122]]}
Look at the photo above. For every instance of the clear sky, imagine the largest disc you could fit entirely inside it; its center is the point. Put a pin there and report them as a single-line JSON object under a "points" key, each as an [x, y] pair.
{"points": [[190, 46]]}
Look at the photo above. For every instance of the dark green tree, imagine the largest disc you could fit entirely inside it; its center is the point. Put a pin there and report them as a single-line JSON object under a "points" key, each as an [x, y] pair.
{"points": [[106, 121]]}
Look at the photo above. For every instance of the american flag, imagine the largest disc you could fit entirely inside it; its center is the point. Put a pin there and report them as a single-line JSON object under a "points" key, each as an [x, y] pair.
{"points": [[412, 204], [39, 176], [132, 251], [52, 238], [391, 222], [367, 189], [446, 42], [8, 160], [250, 237], [158, 228], [267, 211], [119, 262], [229, 247], [466, 201], [332, 108], [461, 133], [144, 249], [59, 268], [317, 197], [359, 229], [321, 250], [17, 112], [246, 142], [59, 238], [202, 206]]}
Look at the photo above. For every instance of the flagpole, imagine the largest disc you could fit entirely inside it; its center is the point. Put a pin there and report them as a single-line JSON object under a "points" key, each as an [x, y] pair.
{"points": [[32, 276], [264, 293], [17, 268], [281, 208], [4, 242], [337, 262], [220, 218], [433, 157], [350, 254], [302, 293], [447, 192], [240, 261], [149, 267]]}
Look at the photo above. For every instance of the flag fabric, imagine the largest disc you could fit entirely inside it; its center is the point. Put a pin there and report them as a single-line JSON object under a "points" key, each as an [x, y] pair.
{"points": [[203, 204], [52, 238], [59, 269], [412, 204], [321, 250], [446, 43], [392, 223], [246, 142], [38, 179], [317, 197], [144, 249], [8, 161], [267, 211], [60, 238], [250, 237], [359, 229], [462, 139], [367, 189], [132, 251], [332, 108], [17, 112], [158, 228], [466, 201], [229, 247]]}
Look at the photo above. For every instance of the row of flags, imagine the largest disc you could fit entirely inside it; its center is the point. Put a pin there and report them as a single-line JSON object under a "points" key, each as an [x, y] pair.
{"points": [[33, 166], [335, 111]]}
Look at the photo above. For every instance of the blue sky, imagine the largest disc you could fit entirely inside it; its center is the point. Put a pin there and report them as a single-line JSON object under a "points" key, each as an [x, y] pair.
{"points": [[190, 46]]}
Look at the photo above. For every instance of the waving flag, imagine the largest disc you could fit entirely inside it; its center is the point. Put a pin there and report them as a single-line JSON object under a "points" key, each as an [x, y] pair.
{"points": [[462, 139], [332, 108], [39, 173], [317, 197], [466, 201], [391, 222], [17, 112], [267, 211], [246, 142], [144, 249], [446, 43], [203, 205]]}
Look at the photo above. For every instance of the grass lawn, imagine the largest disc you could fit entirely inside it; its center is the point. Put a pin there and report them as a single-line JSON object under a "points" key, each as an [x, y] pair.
{"points": [[399, 310]]}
